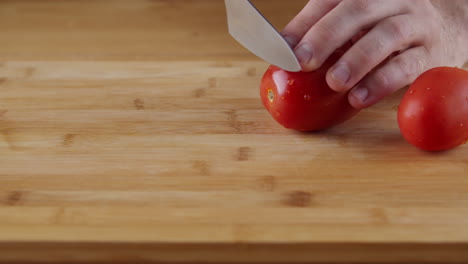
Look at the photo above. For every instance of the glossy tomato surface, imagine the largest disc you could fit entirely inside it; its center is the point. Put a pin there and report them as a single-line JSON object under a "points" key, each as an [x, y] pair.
{"points": [[433, 114], [303, 101]]}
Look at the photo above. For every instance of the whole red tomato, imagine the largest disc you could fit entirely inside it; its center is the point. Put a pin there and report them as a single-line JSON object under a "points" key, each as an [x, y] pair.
{"points": [[433, 114], [303, 101]]}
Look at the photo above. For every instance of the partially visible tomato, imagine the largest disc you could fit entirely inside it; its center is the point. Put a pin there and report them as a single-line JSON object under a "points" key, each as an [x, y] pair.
{"points": [[303, 101], [433, 114]]}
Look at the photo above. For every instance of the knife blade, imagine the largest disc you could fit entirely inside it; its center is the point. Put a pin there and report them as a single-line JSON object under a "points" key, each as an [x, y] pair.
{"points": [[253, 31]]}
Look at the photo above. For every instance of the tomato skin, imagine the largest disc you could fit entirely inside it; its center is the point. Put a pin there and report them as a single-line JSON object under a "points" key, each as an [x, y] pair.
{"points": [[303, 101], [433, 114]]}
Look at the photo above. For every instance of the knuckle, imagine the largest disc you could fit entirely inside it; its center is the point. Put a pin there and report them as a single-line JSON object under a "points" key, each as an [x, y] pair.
{"points": [[325, 32], [304, 25], [398, 28], [421, 6], [410, 68], [360, 6], [365, 55], [405, 67], [381, 81]]}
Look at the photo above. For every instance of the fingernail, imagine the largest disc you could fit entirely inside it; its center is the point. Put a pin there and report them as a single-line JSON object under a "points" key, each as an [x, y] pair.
{"points": [[304, 53], [360, 93], [290, 40], [341, 74]]}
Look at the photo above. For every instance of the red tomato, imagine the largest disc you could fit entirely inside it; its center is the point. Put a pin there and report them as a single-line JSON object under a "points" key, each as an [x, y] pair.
{"points": [[433, 114], [303, 101]]}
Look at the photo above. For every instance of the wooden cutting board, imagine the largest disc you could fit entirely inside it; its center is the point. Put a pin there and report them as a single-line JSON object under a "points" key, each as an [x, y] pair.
{"points": [[133, 131]]}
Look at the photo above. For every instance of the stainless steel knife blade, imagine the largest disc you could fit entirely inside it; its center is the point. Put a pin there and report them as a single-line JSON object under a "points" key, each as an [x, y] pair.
{"points": [[253, 31]]}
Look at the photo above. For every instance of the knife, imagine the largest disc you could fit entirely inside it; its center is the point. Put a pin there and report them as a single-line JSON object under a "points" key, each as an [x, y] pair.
{"points": [[253, 31]]}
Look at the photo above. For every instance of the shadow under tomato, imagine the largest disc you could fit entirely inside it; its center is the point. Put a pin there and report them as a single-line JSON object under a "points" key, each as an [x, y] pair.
{"points": [[359, 135], [382, 142]]}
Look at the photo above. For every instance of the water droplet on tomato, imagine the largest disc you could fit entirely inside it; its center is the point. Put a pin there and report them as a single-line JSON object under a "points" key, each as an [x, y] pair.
{"points": [[271, 95], [411, 91], [462, 124], [307, 97], [428, 88]]}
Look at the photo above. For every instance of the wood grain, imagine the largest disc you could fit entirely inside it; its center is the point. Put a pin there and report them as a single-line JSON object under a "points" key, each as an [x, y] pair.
{"points": [[133, 131]]}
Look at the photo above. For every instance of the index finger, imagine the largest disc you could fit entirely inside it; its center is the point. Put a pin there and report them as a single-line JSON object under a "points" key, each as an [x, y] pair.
{"points": [[309, 15]]}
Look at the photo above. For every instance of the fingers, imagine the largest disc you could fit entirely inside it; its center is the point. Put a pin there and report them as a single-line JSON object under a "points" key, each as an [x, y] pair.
{"points": [[397, 73], [393, 34], [339, 25], [310, 14]]}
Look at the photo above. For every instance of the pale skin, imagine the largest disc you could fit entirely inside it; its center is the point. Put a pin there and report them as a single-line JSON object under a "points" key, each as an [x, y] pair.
{"points": [[403, 39]]}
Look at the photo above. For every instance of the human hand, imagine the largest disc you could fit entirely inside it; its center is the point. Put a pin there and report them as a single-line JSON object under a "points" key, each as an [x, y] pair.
{"points": [[419, 34]]}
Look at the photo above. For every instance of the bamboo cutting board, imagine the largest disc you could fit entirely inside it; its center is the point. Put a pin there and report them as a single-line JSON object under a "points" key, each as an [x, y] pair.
{"points": [[133, 131]]}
